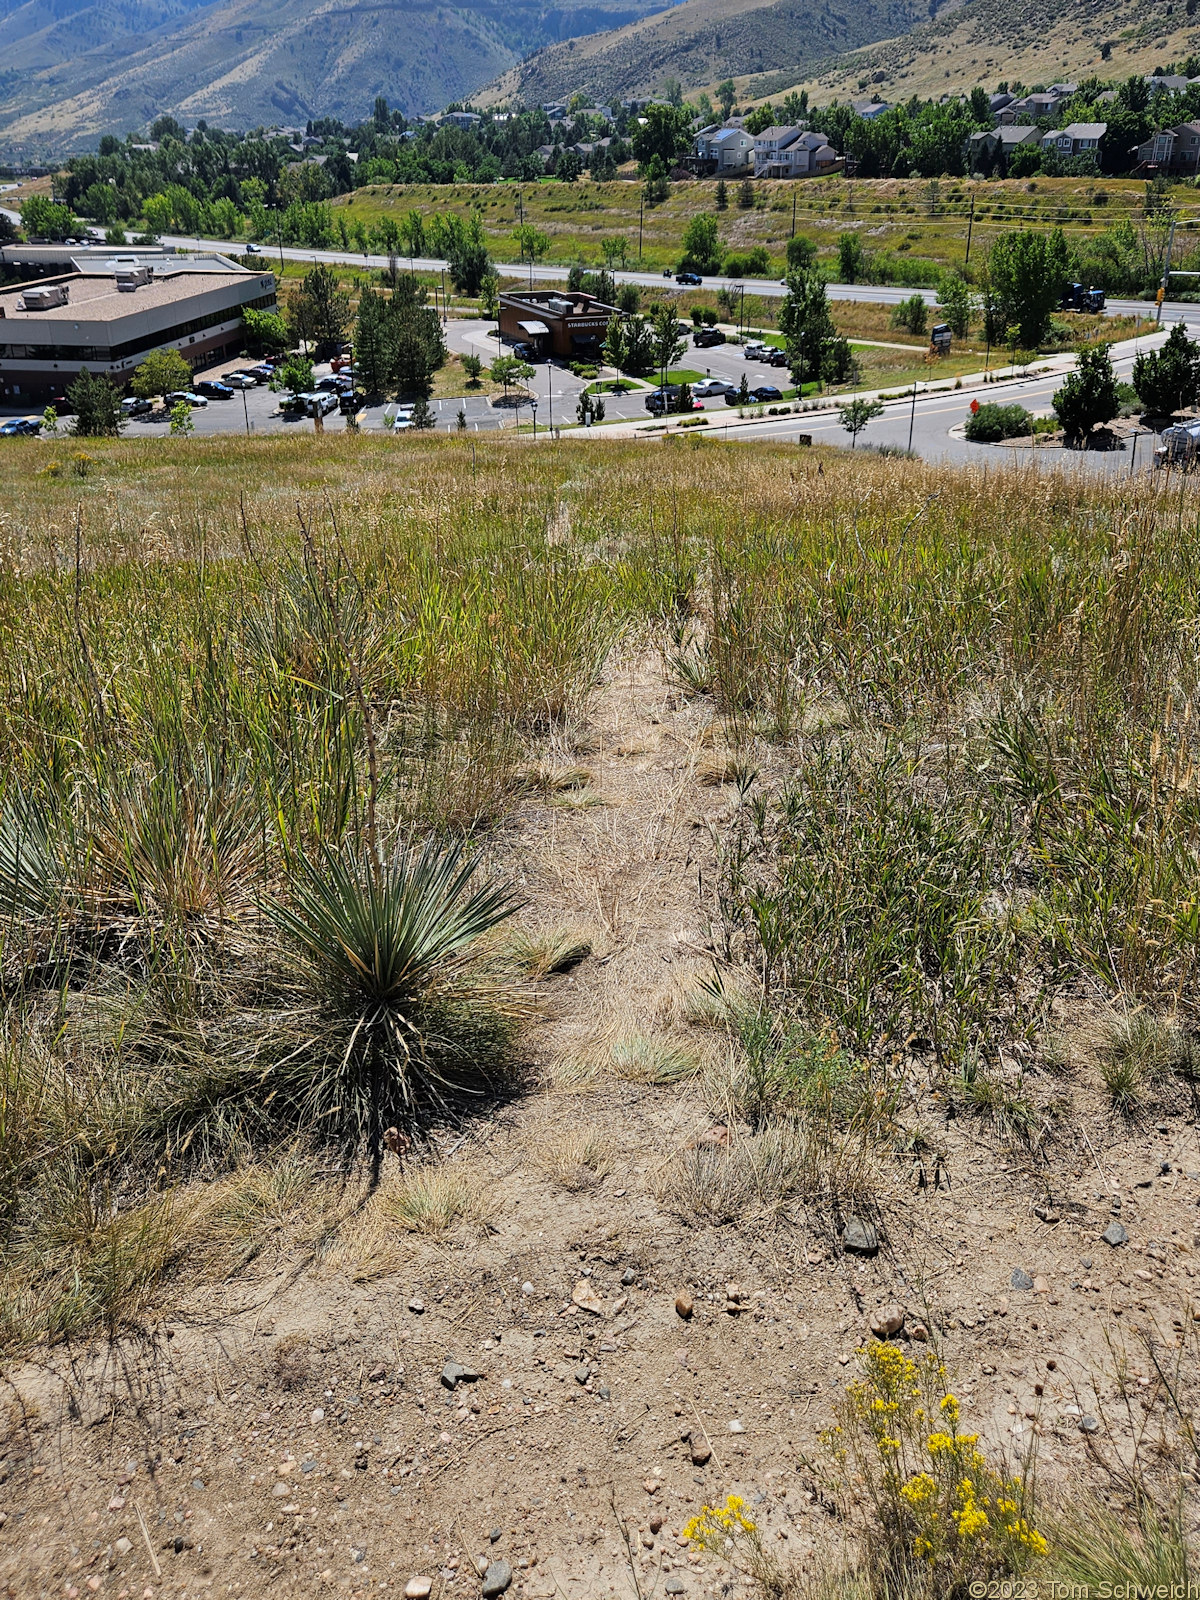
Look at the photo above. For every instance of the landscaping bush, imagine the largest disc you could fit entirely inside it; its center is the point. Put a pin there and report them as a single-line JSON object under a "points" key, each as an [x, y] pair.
{"points": [[991, 423]]}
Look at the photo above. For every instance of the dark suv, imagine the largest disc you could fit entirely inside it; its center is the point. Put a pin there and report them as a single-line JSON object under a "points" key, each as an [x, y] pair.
{"points": [[704, 337]]}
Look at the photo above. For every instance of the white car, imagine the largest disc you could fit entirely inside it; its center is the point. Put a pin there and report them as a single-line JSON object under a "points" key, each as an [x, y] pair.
{"points": [[712, 386]]}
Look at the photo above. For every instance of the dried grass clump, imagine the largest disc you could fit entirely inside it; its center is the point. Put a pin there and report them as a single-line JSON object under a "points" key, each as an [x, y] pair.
{"points": [[541, 954], [639, 1058], [1141, 1050], [438, 1199], [575, 1160]]}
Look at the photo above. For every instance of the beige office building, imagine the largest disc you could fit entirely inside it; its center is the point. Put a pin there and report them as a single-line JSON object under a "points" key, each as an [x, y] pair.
{"points": [[108, 315]]}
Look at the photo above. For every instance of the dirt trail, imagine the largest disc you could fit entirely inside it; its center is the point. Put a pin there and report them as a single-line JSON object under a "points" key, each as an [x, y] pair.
{"points": [[288, 1430]]}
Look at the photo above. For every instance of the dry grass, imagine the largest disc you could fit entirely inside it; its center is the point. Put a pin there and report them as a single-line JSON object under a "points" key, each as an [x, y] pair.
{"points": [[642, 1058], [438, 1199], [575, 1160], [542, 954]]}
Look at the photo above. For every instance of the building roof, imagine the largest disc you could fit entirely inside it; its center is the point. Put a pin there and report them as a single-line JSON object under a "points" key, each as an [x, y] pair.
{"points": [[726, 134], [94, 297], [779, 134], [1086, 130]]}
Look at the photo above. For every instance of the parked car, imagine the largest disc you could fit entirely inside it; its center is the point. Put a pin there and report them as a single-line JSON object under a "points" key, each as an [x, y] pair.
{"points": [[214, 390], [753, 351], [253, 250], [350, 401], [704, 337], [185, 396], [713, 386], [20, 428], [317, 403], [264, 372], [329, 383], [776, 358], [766, 393], [240, 380], [133, 407], [661, 399], [691, 278], [525, 351]]}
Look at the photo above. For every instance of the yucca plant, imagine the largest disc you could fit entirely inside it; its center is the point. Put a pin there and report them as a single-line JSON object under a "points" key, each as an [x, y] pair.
{"points": [[385, 946]]}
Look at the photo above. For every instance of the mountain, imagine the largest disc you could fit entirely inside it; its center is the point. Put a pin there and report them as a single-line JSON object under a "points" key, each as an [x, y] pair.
{"points": [[1026, 41], [703, 41], [74, 69]]}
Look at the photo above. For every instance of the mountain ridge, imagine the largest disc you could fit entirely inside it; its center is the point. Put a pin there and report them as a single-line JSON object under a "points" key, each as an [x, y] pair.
{"points": [[242, 63]]}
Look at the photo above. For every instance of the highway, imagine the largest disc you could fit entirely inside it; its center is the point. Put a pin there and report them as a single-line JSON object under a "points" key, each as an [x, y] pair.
{"points": [[543, 272]]}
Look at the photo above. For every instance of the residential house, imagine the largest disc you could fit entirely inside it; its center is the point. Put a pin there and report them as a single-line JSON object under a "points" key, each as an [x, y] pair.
{"points": [[1076, 139], [870, 109], [1032, 107], [1175, 151], [722, 151], [997, 102], [983, 146], [781, 152], [462, 119], [1166, 83]]}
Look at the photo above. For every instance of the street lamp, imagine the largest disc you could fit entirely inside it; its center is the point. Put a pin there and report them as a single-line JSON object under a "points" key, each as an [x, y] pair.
{"points": [[533, 408]]}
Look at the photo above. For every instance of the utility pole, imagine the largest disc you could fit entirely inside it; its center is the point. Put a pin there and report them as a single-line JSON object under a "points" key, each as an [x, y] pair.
{"points": [[1162, 293], [912, 415], [970, 228], [793, 213], [445, 317], [641, 219]]}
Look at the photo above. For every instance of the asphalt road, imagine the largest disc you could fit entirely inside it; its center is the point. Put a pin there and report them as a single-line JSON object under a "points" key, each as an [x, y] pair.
{"points": [[771, 288], [936, 419]]}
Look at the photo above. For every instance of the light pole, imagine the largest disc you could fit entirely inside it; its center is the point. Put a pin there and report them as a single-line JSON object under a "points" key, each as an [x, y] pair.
{"points": [[245, 411], [445, 317], [533, 408], [912, 415]]}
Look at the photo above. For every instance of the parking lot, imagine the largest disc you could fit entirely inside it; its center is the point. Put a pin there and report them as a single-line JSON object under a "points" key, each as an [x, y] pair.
{"points": [[256, 411]]}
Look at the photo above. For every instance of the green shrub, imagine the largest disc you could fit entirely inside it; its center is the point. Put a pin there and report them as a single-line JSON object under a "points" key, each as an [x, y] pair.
{"points": [[992, 423]]}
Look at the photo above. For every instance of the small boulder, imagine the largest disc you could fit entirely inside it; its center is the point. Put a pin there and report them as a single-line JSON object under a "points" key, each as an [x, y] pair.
{"points": [[497, 1578], [888, 1320], [860, 1236], [919, 1333], [684, 1306], [453, 1374], [1020, 1279], [418, 1589], [1088, 1425], [701, 1452], [1114, 1235]]}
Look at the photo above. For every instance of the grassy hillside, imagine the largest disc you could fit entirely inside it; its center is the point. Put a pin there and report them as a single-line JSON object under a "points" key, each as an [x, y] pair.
{"points": [[814, 1043], [902, 218], [702, 42], [239, 63], [1017, 40]]}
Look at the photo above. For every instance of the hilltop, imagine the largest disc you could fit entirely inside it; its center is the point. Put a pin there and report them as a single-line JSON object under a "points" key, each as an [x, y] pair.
{"points": [[702, 42]]}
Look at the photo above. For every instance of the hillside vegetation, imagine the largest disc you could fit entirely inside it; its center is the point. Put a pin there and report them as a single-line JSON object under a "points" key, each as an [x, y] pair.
{"points": [[67, 79], [535, 980], [700, 43], [1010, 40]]}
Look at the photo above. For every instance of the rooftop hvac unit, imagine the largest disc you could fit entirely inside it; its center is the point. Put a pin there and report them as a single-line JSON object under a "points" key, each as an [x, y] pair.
{"points": [[131, 278], [45, 297], [560, 307]]}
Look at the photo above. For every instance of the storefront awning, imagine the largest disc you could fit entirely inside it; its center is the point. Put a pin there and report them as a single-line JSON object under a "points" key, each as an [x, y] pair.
{"points": [[533, 328]]}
